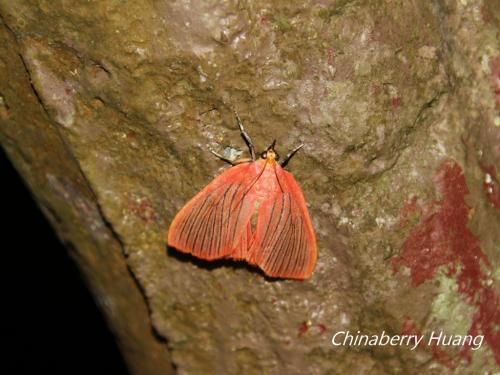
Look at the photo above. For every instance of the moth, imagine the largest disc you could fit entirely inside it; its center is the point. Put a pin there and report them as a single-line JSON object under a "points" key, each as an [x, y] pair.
{"points": [[254, 211]]}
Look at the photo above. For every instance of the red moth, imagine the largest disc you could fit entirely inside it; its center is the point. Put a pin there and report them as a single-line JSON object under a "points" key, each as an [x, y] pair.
{"points": [[254, 211]]}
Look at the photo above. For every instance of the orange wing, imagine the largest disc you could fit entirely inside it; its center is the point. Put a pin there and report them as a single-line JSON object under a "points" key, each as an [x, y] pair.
{"points": [[211, 225], [284, 243]]}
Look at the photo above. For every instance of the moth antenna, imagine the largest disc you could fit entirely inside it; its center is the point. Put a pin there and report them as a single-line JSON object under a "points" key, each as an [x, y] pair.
{"points": [[290, 155], [245, 136], [272, 145]]}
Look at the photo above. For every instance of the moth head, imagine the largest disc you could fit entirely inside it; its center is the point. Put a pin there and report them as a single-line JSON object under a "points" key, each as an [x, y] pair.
{"points": [[270, 154]]}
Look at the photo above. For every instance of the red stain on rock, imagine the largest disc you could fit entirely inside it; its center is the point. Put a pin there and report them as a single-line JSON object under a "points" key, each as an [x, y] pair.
{"points": [[396, 101], [442, 239], [491, 187], [321, 328], [410, 328], [303, 328], [330, 56], [487, 320]]}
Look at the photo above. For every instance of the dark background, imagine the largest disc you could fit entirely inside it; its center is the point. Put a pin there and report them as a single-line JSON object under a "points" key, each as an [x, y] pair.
{"points": [[51, 323]]}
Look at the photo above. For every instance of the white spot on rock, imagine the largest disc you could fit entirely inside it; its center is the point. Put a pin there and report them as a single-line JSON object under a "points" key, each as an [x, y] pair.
{"points": [[140, 51], [344, 319], [54, 92], [427, 52]]}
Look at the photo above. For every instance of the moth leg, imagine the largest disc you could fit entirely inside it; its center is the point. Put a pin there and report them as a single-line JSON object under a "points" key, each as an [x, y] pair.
{"points": [[245, 136], [289, 156], [232, 162], [223, 158], [242, 160]]}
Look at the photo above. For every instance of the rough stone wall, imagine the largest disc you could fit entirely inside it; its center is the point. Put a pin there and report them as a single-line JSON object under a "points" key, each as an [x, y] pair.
{"points": [[108, 110]]}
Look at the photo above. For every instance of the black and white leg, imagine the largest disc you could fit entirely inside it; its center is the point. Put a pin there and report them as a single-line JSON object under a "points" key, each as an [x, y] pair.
{"points": [[245, 136], [222, 157], [232, 162]]}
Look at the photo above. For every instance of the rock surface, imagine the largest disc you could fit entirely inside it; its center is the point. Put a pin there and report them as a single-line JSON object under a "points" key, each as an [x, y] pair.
{"points": [[109, 109]]}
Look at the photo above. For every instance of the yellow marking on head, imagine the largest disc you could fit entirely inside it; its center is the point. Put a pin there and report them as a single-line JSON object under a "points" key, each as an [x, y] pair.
{"points": [[271, 156]]}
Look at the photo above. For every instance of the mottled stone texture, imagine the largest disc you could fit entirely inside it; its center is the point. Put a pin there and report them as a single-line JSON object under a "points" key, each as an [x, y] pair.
{"points": [[108, 110]]}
